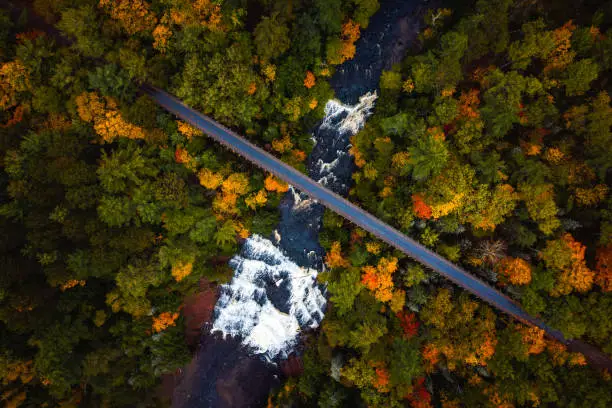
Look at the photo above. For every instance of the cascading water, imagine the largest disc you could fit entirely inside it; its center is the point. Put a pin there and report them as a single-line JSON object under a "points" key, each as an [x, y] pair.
{"points": [[274, 293]]}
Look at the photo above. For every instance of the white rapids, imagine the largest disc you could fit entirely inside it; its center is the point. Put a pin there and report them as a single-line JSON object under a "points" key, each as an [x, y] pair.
{"points": [[249, 308], [356, 114], [270, 298]]}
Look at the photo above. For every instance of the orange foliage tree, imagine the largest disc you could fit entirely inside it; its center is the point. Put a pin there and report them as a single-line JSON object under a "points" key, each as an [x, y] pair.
{"points": [[349, 35], [468, 104], [161, 34], [310, 80], [561, 56], [164, 320], [381, 379], [133, 15], [533, 338], [514, 270], [379, 280], [566, 257], [431, 357], [271, 183], [334, 258], [15, 118]]}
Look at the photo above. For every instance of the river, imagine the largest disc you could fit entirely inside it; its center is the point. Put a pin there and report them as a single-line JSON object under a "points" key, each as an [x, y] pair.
{"points": [[274, 297]]}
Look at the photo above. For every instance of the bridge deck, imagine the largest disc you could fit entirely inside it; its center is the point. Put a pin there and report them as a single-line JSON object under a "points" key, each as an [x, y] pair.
{"points": [[360, 217]]}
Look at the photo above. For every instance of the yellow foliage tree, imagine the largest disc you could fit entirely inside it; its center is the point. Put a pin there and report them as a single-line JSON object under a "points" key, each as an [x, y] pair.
{"points": [[373, 247], [236, 183], [256, 200], [187, 130], [210, 179], [283, 144], [408, 85], [400, 160], [181, 269], [107, 120], [554, 155], [206, 13], [590, 197], [462, 331], [269, 72], [442, 209], [14, 78], [112, 126]]}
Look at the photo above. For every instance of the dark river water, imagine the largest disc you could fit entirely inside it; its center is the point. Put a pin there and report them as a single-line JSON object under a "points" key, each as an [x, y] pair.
{"points": [[274, 293]]}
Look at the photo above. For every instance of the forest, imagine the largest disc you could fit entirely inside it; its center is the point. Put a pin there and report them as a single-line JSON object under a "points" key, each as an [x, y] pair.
{"points": [[490, 144]]}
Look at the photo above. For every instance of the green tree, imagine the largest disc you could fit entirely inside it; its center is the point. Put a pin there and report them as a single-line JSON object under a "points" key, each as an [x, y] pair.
{"points": [[271, 37], [579, 75]]}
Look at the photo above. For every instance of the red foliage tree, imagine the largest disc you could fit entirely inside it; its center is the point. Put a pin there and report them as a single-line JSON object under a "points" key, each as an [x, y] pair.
{"points": [[420, 397], [419, 207], [409, 323], [603, 272]]}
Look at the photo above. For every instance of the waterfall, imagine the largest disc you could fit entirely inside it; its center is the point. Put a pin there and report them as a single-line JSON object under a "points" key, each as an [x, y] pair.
{"points": [[273, 295]]}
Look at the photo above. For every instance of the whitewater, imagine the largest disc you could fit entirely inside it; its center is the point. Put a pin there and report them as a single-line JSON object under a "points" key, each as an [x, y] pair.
{"points": [[274, 294]]}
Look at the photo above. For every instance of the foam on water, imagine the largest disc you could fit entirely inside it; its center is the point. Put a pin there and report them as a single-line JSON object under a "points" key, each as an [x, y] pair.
{"points": [[356, 115], [270, 298]]}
